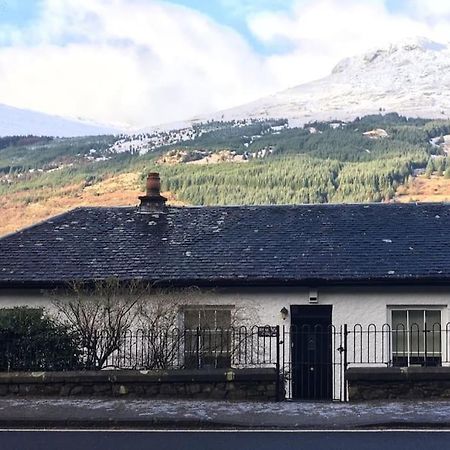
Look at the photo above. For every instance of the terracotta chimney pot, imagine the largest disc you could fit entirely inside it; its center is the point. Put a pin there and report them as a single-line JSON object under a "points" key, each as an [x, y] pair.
{"points": [[153, 200]]}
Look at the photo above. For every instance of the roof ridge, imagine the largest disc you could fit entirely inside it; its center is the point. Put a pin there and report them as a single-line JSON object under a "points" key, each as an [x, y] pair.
{"points": [[316, 205]]}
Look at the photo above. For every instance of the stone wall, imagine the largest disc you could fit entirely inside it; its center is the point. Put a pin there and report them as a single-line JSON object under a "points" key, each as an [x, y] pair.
{"points": [[218, 384], [395, 383]]}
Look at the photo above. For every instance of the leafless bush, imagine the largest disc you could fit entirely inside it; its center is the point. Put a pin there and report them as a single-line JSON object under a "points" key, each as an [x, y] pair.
{"points": [[101, 313]]}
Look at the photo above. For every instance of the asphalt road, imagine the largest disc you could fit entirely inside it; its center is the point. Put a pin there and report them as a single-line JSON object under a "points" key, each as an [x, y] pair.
{"points": [[192, 440]]}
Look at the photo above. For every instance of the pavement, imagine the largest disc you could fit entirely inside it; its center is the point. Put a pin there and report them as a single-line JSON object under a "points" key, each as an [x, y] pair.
{"points": [[181, 414]]}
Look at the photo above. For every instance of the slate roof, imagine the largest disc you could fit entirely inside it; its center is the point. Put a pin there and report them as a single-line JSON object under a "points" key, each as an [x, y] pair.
{"points": [[245, 245]]}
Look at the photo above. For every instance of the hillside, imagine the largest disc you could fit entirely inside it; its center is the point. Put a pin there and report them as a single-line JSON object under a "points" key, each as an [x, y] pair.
{"points": [[21, 209], [422, 189], [16, 121], [410, 77], [257, 162]]}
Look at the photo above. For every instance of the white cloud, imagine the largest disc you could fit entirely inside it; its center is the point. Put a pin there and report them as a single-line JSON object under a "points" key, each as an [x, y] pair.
{"points": [[129, 60], [437, 9], [147, 62], [248, 6], [321, 32]]}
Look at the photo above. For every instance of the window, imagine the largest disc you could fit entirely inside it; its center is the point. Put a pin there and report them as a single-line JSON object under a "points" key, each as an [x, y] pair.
{"points": [[208, 336], [416, 337]]}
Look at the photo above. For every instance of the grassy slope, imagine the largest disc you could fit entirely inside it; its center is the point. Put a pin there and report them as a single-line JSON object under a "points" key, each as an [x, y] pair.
{"points": [[118, 190], [422, 189], [333, 166]]}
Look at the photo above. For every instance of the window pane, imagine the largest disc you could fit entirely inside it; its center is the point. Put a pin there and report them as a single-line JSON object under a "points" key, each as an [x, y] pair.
{"points": [[417, 344], [433, 318], [211, 346], [207, 319], [399, 319], [433, 321], [416, 319], [191, 320], [399, 333], [223, 318], [417, 335], [207, 340]]}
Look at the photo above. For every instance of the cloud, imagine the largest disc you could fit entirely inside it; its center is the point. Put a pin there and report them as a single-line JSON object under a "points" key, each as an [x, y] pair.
{"points": [[429, 9], [321, 32], [251, 6], [147, 62], [130, 61]]}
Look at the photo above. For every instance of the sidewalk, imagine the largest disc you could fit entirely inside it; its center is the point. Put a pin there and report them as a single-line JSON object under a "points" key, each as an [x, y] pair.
{"points": [[32, 413]]}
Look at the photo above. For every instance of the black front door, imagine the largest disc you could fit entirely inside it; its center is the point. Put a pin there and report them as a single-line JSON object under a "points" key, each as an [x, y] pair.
{"points": [[311, 338]]}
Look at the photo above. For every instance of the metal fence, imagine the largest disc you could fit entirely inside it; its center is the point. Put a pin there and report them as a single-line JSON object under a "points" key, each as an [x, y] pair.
{"points": [[174, 348], [399, 346], [311, 360]]}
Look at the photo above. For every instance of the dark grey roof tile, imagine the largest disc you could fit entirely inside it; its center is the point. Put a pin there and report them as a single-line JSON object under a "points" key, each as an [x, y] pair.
{"points": [[350, 243]]}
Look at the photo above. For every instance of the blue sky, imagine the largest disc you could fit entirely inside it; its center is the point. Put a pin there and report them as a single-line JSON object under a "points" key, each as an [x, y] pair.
{"points": [[232, 13], [146, 62], [228, 12], [18, 12]]}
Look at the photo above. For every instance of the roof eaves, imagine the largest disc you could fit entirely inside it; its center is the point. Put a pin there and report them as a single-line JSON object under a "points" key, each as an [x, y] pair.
{"points": [[243, 282]]}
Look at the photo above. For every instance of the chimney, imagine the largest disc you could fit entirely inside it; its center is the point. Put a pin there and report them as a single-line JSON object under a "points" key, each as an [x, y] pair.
{"points": [[153, 200]]}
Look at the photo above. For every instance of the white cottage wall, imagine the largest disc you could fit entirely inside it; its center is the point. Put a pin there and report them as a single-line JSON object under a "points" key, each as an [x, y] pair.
{"points": [[34, 298], [351, 304]]}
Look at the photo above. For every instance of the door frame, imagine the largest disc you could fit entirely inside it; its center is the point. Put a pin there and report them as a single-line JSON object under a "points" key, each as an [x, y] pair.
{"points": [[312, 360]]}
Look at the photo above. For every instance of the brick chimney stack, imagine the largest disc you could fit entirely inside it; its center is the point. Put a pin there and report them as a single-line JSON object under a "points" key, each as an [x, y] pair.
{"points": [[153, 200]]}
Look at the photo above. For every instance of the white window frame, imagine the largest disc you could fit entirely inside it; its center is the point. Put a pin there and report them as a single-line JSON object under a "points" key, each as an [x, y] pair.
{"points": [[213, 330], [408, 308], [201, 308]]}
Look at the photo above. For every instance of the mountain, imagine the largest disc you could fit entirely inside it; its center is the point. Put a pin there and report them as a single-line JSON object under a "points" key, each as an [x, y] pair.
{"points": [[411, 78], [15, 121]]}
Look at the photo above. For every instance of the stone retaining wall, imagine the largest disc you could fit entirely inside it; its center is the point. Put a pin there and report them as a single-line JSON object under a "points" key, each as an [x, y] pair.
{"points": [[219, 384], [395, 383]]}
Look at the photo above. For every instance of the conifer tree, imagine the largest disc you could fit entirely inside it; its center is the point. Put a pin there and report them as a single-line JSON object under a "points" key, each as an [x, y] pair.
{"points": [[429, 169]]}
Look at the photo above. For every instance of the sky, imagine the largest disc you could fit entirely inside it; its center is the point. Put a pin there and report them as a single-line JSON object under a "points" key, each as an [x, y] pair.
{"points": [[149, 62]]}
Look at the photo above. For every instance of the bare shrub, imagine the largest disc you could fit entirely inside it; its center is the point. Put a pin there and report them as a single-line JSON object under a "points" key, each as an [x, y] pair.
{"points": [[101, 313]]}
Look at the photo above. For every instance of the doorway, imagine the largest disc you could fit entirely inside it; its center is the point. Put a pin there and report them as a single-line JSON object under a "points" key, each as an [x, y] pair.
{"points": [[311, 341]]}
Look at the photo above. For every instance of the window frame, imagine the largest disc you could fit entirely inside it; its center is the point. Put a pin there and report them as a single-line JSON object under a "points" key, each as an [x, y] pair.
{"points": [[418, 357], [200, 349], [201, 308]]}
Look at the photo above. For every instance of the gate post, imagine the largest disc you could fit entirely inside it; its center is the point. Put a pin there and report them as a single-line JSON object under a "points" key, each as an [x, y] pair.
{"points": [[198, 338], [278, 384], [345, 361]]}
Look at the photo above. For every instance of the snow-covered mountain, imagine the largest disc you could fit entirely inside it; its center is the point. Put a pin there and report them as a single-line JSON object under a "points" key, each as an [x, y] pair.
{"points": [[411, 77], [15, 121]]}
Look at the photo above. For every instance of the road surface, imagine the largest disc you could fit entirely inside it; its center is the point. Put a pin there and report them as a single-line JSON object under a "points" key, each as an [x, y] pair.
{"points": [[221, 440]]}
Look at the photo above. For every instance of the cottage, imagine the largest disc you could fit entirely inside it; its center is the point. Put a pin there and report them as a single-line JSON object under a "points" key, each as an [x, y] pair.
{"points": [[342, 283]]}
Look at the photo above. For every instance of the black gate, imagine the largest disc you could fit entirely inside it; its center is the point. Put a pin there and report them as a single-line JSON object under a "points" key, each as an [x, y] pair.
{"points": [[313, 357]]}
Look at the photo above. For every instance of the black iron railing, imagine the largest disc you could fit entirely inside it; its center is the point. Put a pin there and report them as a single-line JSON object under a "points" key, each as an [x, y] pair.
{"points": [[416, 344], [173, 348], [311, 360]]}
